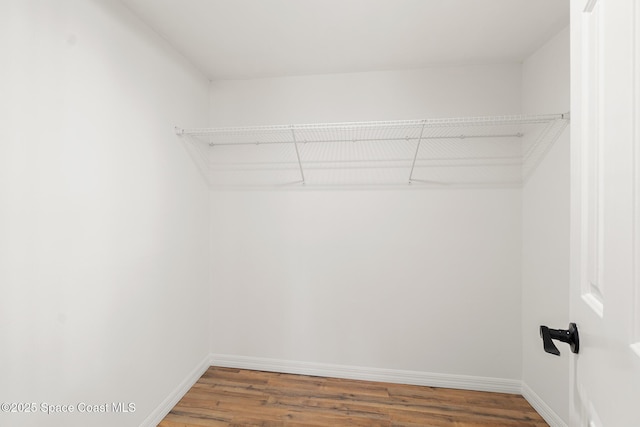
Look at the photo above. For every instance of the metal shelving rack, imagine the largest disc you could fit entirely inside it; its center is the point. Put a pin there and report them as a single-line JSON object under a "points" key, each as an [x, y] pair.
{"points": [[470, 151]]}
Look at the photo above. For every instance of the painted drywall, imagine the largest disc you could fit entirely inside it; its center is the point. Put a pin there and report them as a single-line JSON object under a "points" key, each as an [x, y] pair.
{"points": [[383, 95], [545, 271], [103, 214], [425, 280]]}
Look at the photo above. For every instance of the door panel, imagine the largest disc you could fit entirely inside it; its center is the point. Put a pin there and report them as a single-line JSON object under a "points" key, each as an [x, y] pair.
{"points": [[592, 43], [636, 195], [605, 245]]}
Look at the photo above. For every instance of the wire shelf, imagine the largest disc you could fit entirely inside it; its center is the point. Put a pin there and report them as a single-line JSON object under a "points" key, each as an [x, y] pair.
{"points": [[467, 151]]}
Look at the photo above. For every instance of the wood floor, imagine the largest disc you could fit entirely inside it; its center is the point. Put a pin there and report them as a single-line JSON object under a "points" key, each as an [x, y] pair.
{"points": [[236, 397]]}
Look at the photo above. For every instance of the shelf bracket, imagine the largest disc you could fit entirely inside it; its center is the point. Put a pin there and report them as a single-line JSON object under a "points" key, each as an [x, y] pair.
{"points": [[295, 144], [415, 156]]}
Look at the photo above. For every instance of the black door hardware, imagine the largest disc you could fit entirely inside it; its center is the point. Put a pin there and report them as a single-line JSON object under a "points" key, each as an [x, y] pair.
{"points": [[570, 336]]}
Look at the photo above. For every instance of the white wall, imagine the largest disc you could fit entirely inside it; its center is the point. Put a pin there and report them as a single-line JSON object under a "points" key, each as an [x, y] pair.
{"points": [[425, 280], [545, 275], [382, 95], [103, 215]]}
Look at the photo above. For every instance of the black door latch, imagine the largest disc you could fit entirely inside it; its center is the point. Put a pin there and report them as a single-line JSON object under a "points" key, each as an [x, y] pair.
{"points": [[570, 336]]}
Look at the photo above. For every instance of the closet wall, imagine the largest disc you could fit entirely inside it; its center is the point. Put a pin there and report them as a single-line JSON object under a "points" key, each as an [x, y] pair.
{"points": [[545, 268], [103, 214], [418, 280]]}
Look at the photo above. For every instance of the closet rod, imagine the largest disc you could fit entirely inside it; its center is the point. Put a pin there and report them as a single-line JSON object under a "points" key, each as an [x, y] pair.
{"points": [[316, 141]]}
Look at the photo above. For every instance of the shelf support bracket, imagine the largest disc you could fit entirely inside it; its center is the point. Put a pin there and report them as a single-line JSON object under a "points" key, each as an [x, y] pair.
{"points": [[415, 156], [295, 144]]}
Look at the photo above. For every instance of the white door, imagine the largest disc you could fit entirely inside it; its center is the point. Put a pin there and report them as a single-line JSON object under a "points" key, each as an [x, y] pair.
{"points": [[605, 212]]}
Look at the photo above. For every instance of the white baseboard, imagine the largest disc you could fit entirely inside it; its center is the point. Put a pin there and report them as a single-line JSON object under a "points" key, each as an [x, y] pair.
{"points": [[464, 382], [174, 397], [542, 408]]}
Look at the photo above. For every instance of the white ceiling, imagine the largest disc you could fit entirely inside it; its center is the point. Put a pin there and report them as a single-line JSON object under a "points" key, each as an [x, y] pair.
{"points": [[235, 39]]}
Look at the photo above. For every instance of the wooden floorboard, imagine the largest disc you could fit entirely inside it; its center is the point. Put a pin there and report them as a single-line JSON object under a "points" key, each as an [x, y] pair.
{"points": [[238, 397]]}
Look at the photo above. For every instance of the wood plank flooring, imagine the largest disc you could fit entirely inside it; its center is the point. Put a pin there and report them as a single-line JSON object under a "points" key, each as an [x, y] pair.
{"points": [[237, 397]]}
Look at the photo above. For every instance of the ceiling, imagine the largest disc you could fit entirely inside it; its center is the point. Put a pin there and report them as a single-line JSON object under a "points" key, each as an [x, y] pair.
{"points": [[240, 39]]}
